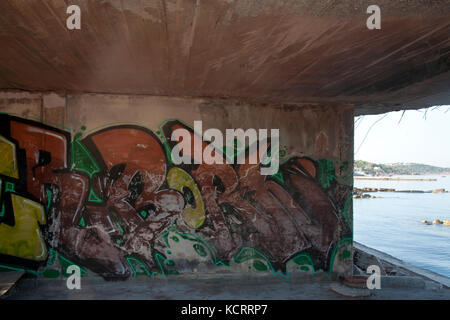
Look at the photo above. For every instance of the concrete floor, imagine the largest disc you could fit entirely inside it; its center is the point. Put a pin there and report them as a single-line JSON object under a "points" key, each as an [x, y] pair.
{"points": [[207, 288]]}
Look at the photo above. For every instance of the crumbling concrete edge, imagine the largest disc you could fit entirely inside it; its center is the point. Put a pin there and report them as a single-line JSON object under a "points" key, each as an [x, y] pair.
{"points": [[423, 273]]}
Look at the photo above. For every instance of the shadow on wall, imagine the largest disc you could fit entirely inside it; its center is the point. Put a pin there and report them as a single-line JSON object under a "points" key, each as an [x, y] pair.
{"points": [[115, 204]]}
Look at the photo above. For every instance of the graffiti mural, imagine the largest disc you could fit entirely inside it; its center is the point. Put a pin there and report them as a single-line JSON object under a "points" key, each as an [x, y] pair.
{"points": [[113, 202]]}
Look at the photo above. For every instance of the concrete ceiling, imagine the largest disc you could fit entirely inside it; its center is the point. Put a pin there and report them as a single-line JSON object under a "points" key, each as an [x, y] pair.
{"points": [[269, 50]]}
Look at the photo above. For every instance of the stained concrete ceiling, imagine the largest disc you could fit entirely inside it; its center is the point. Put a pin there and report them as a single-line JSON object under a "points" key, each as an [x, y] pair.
{"points": [[269, 50]]}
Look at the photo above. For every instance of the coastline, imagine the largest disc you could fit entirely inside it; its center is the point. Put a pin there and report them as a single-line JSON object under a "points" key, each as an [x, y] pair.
{"points": [[393, 179], [407, 221]]}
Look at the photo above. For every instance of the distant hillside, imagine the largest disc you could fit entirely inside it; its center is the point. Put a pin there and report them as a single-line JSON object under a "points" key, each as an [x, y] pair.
{"points": [[364, 167]]}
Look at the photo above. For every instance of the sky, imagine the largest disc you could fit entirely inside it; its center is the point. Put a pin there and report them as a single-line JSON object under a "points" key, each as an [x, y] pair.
{"points": [[415, 139]]}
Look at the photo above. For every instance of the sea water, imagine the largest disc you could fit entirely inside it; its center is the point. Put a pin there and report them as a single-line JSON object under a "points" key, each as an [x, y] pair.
{"points": [[391, 222]]}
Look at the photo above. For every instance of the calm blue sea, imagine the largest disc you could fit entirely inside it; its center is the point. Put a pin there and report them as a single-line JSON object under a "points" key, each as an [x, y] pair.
{"points": [[392, 223]]}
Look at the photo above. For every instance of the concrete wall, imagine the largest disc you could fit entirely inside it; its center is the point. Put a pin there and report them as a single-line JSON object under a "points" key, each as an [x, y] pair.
{"points": [[88, 179]]}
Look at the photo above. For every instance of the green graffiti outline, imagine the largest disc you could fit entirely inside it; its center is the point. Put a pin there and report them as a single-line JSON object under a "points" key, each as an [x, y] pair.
{"points": [[344, 212], [141, 265], [195, 238], [53, 254], [327, 174], [223, 152], [335, 250]]}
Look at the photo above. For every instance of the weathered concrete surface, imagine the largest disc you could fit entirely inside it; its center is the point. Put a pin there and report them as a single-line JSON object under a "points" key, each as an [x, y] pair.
{"points": [[269, 50], [322, 130], [42, 106], [408, 285], [8, 279], [120, 206], [208, 288], [387, 261], [23, 104]]}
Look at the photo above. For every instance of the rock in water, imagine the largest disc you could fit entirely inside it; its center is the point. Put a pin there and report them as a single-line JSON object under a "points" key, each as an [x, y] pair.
{"points": [[437, 221]]}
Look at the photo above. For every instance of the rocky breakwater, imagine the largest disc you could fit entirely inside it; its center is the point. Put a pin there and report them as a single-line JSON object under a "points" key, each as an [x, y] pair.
{"points": [[437, 221], [360, 193], [363, 192]]}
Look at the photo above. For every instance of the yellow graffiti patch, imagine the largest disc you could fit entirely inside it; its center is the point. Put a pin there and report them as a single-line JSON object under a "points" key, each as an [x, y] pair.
{"points": [[8, 160], [24, 240], [180, 180], [2, 207]]}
